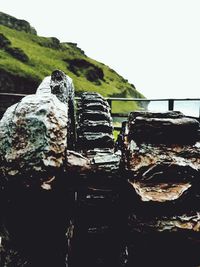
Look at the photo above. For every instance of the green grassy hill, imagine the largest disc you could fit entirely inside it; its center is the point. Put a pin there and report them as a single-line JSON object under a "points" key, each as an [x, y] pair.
{"points": [[26, 58]]}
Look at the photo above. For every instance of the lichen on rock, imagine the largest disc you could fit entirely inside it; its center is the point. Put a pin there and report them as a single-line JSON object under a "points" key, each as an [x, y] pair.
{"points": [[33, 135]]}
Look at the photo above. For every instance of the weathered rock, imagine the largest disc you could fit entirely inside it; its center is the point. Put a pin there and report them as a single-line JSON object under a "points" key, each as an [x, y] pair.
{"points": [[4, 41], [35, 131], [148, 114], [92, 72], [77, 163], [36, 201], [58, 84], [95, 126], [17, 53], [105, 165], [96, 106], [161, 172], [176, 223], [91, 140], [97, 168], [33, 136], [94, 122], [166, 128], [101, 216], [159, 163], [160, 192], [62, 86], [162, 158]]}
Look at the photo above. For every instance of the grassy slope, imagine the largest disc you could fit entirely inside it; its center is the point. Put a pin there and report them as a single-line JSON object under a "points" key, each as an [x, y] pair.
{"points": [[44, 60]]}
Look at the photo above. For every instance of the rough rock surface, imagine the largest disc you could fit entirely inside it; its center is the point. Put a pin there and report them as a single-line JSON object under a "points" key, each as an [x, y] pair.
{"points": [[161, 172], [62, 86], [94, 122], [33, 135], [163, 128], [35, 201], [58, 84], [100, 217], [34, 132], [161, 155]]}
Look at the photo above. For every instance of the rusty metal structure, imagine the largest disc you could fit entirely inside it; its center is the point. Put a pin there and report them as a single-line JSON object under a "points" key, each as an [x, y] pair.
{"points": [[71, 196]]}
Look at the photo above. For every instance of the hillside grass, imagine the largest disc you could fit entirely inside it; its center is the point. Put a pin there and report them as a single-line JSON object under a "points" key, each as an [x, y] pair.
{"points": [[43, 60]]}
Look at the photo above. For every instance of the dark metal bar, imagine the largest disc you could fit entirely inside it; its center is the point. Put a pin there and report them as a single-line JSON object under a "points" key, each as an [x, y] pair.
{"points": [[171, 104], [109, 99], [152, 99], [120, 98]]}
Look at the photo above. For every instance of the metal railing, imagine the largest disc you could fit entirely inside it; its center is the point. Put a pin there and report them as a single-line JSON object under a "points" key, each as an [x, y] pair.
{"points": [[8, 99], [168, 104], [170, 101]]}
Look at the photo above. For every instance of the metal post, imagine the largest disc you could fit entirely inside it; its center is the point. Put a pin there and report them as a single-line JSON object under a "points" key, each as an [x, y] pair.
{"points": [[171, 104]]}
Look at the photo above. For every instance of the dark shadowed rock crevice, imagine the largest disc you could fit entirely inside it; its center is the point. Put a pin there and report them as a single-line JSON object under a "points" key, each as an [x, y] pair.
{"points": [[82, 67], [13, 83], [4, 41], [17, 53]]}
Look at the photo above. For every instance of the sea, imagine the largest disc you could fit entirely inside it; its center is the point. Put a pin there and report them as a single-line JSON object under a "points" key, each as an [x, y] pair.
{"points": [[187, 107]]}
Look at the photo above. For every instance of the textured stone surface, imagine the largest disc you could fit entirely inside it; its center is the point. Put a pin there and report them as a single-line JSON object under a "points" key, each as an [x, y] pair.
{"points": [[162, 158], [152, 162], [163, 128], [161, 172], [59, 84], [33, 136], [34, 132], [94, 122], [100, 217], [190, 221], [36, 202], [160, 192], [62, 86]]}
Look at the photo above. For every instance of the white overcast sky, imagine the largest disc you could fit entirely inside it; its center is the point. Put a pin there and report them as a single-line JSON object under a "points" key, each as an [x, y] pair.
{"points": [[155, 44]]}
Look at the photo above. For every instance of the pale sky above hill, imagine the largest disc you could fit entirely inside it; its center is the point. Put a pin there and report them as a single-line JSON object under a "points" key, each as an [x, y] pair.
{"points": [[155, 44]]}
